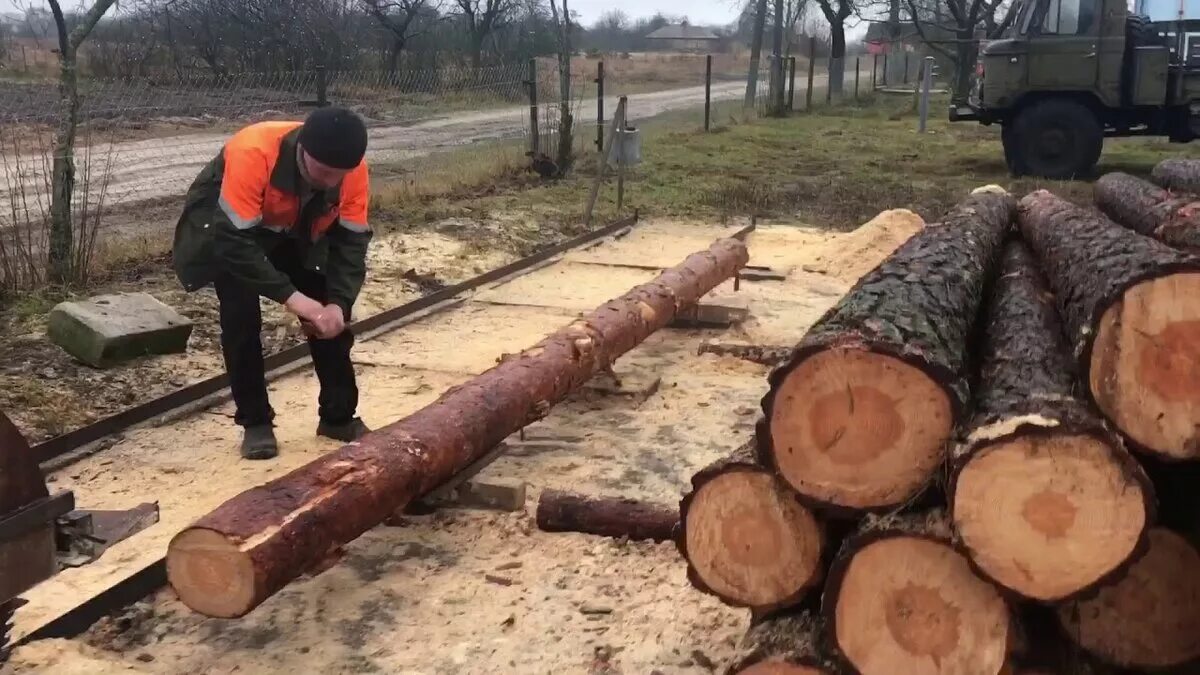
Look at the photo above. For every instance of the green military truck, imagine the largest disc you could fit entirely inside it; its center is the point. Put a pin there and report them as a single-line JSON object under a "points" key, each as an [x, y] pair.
{"points": [[1068, 73]]}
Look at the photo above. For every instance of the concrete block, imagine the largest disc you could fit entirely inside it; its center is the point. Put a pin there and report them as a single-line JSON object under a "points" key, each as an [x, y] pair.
{"points": [[109, 329]]}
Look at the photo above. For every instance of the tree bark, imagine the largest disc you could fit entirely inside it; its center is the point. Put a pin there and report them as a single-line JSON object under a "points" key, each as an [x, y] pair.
{"points": [[1178, 175], [1045, 498], [250, 547], [1150, 210], [766, 355], [607, 517], [1149, 618], [760, 19], [859, 417], [746, 538], [1131, 307], [784, 644], [900, 598]]}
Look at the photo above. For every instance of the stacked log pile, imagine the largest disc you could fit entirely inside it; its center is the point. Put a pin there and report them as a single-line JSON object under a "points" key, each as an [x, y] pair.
{"points": [[977, 434]]}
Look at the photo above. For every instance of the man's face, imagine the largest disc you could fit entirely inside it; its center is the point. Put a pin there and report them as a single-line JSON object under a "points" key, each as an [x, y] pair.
{"points": [[320, 175]]}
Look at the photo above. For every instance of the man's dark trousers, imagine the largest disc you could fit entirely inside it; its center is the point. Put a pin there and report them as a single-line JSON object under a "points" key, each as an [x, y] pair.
{"points": [[241, 345]]}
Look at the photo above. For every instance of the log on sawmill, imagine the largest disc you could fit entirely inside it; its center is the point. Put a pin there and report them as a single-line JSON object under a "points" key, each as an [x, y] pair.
{"points": [[1145, 208], [559, 511], [859, 417], [1131, 308], [1044, 496], [1150, 618], [254, 544], [746, 537], [783, 644], [1179, 175], [901, 600]]}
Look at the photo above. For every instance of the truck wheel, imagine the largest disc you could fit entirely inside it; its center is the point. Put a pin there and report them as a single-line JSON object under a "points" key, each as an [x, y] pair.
{"points": [[1011, 155], [1057, 139]]}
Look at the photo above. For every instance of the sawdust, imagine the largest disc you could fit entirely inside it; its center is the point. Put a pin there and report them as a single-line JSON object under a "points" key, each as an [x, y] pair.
{"points": [[422, 597], [848, 258]]}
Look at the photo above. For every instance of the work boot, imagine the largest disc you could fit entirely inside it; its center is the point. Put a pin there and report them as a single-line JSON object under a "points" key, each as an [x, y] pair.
{"points": [[350, 431], [258, 442]]}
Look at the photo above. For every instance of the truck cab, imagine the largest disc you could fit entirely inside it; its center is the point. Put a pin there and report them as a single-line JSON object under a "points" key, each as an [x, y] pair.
{"points": [[1068, 73]]}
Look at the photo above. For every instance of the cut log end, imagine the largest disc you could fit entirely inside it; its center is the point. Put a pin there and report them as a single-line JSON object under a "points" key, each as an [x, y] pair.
{"points": [[211, 574], [908, 604], [1149, 618], [858, 429], [750, 542], [1145, 363], [1048, 515]]}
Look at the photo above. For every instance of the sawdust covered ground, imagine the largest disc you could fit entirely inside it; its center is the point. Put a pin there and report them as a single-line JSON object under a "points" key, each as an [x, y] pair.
{"points": [[478, 592]]}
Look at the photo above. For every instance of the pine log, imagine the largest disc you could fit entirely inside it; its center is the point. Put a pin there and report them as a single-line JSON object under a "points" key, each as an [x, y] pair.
{"points": [[1145, 208], [746, 538], [250, 547], [1045, 498], [783, 644], [1131, 307], [559, 511], [1178, 175], [1149, 619], [860, 416], [902, 600]]}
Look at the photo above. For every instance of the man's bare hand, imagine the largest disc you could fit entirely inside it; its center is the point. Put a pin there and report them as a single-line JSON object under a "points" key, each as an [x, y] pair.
{"points": [[304, 307], [332, 322]]}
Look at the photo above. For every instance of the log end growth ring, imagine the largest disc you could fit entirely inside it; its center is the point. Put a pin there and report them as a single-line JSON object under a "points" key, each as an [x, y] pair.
{"points": [[750, 541], [781, 668], [1048, 515], [858, 429], [211, 574], [1151, 617], [1145, 365], [910, 605]]}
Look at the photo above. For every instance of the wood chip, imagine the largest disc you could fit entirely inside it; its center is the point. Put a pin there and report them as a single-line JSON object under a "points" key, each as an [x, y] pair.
{"points": [[502, 581]]}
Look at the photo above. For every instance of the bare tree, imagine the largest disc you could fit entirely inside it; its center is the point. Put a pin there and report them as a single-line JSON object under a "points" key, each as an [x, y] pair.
{"points": [[483, 17], [562, 25], [959, 23], [836, 12], [63, 169], [760, 20], [400, 18]]}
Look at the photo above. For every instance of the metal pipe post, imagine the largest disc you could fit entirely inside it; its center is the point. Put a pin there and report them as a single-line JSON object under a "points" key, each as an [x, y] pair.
{"points": [[599, 106], [926, 83], [707, 91], [829, 79], [322, 87], [533, 108], [623, 104], [906, 67], [812, 62], [791, 92], [857, 66]]}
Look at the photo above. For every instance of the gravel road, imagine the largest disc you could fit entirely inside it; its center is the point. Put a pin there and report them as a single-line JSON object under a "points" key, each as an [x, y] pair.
{"points": [[164, 167]]}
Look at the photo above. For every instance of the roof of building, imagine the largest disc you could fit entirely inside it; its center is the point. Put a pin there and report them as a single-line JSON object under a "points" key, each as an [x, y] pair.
{"points": [[683, 31]]}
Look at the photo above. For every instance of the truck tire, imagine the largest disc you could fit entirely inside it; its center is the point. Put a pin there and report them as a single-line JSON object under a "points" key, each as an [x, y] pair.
{"points": [[1056, 138], [1139, 32]]}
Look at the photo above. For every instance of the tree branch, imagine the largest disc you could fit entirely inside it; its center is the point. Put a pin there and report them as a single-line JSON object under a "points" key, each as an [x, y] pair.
{"points": [[953, 56], [89, 21]]}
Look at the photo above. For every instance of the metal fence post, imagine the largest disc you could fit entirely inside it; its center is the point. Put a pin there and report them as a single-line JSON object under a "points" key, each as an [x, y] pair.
{"points": [[322, 87], [857, 66], [623, 104], [791, 92], [599, 106], [885, 69], [829, 78], [707, 90], [906, 54], [874, 72], [926, 83], [533, 108], [812, 62]]}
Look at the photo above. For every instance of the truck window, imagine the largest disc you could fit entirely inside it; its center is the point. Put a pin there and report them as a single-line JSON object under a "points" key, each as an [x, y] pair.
{"points": [[1069, 17]]}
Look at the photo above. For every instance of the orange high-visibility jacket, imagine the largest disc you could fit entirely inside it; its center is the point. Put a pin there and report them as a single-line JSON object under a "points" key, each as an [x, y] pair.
{"points": [[251, 197]]}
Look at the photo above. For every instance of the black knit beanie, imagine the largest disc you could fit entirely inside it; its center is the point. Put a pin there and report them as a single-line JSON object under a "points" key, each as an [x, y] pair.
{"points": [[334, 137]]}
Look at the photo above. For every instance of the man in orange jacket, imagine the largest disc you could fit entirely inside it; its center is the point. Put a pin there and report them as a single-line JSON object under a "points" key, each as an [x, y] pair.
{"points": [[281, 213]]}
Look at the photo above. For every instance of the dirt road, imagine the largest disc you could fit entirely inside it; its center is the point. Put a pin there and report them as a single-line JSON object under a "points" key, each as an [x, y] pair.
{"points": [[164, 167]]}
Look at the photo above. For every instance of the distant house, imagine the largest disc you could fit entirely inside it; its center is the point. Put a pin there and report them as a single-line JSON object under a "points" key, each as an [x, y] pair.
{"points": [[685, 38], [882, 37]]}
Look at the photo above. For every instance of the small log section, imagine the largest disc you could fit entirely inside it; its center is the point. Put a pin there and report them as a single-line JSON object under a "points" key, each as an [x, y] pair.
{"points": [[253, 545], [1131, 306], [746, 537], [1178, 175], [1045, 499], [860, 416], [783, 644], [1145, 208], [559, 511], [901, 601], [1150, 618]]}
